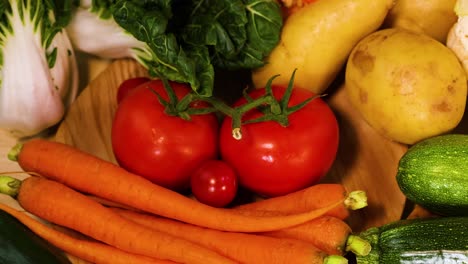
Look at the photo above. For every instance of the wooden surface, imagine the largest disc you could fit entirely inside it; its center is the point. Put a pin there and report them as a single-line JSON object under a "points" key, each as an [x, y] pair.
{"points": [[366, 161], [88, 122]]}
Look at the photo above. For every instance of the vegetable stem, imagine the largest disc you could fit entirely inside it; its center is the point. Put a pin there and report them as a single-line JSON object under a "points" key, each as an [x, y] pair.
{"points": [[357, 245], [14, 152], [335, 259], [272, 108], [9, 185], [236, 112], [356, 200]]}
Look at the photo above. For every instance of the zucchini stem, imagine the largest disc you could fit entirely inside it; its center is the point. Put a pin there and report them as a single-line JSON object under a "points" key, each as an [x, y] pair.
{"points": [[356, 200], [358, 245], [335, 259]]}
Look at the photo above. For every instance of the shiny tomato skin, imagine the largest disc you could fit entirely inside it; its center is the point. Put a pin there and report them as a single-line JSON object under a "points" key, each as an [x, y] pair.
{"points": [[128, 85], [214, 183], [273, 160], [162, 148]]}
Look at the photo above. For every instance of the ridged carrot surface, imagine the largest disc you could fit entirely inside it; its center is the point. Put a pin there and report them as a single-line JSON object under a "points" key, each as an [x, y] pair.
{"points": [[92, 251], [89, 174], [242, 247], [65, 207]]}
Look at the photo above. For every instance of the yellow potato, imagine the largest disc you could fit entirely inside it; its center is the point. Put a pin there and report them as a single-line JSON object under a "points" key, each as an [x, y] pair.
{"points": [[406, 85], [317, 39], [432, 17]]}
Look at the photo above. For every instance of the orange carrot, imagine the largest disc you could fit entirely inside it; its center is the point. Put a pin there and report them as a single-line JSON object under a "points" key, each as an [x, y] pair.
{"points": [[63, 206], [311, 198], [329, 234], [238, 246], [420, 212], [89, 174], [88, 250]]}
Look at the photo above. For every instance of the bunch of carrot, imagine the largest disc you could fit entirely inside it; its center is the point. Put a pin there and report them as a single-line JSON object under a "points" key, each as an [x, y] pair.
{"points": [[166, 227]]}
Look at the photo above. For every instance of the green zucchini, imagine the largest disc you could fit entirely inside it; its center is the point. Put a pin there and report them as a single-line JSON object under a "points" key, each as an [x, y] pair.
{"points": [[434, 174], [19, 245], [418, 241]]}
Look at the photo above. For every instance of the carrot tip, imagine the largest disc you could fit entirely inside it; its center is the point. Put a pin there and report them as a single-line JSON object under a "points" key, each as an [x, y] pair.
{"points": [[14, 152], [335, 259], [356, 200], [358, 245], [9, 185]]}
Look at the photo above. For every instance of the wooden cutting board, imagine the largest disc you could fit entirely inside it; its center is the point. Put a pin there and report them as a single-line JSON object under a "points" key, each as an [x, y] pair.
{"points": [[366, 161]]}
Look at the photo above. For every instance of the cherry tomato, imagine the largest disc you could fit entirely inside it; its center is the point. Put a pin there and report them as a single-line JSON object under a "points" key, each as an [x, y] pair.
{"points": [[214, 183], [128, 85], [162, 148], [274, 160]]}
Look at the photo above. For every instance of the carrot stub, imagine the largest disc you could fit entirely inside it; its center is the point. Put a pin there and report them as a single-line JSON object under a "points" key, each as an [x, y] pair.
{"points": [[327, 233], [92, 175], [312, 198]]}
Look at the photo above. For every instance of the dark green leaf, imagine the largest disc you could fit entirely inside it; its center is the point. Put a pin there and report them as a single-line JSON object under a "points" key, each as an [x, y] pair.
{"points": [[172, 61], [219, 24], [51, 58], [49, 17], [5, 28], [263, 33], [203, 69], [247, 58], [102, 8], [147, 21], [265, 23], [187, 39], [144, 22], [62, 12]]}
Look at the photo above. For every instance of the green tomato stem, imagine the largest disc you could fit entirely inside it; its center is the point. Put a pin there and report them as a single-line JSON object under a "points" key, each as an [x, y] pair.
{"points": [[236, 113], [272, 109]]}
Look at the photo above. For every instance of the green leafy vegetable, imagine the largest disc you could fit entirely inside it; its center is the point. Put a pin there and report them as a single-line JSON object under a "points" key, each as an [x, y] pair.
{"points": [[182, 40], [39, 75], [148, 22], [219, 24], [260, 34]]}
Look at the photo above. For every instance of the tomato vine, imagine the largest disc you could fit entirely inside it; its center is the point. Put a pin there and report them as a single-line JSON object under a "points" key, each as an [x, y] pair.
{"points": [[272, 108]]}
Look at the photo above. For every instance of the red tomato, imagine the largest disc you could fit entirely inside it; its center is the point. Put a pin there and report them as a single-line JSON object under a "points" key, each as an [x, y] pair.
{"points": [[163, 148], [128, 85], [274, 160], [214, 183]]}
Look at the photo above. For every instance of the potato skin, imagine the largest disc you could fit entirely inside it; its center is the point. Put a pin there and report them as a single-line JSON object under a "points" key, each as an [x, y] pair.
{"points": [[431, 17], [317, 39], [406, 85]]}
